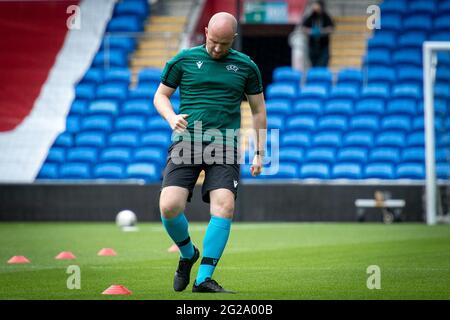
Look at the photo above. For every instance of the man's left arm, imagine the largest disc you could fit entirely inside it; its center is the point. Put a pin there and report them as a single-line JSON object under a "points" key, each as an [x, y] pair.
{"points": [[258, 108]]}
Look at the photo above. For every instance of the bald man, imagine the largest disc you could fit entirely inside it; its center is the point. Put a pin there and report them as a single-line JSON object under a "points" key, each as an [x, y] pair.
{"points": [[213, 79]]}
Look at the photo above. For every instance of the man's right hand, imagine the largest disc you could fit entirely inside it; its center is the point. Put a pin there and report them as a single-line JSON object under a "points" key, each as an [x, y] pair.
{"points": [[178, 123]]}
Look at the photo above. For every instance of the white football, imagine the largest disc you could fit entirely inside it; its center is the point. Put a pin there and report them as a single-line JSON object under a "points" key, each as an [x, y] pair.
{"points": [[126, 219]]}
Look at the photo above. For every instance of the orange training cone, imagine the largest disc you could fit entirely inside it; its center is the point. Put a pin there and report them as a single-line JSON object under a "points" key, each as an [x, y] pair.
{"points": [[18, 259], [107, 252], [173, 248], [65, 255], [117, 289]]}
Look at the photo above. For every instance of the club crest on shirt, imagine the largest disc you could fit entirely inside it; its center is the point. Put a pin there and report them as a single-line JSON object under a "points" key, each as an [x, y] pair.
{"points": [[232, 67], [199, 64]]}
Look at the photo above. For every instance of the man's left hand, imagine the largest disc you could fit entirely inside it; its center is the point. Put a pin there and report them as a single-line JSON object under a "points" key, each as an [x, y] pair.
{"points": [[256, 167]]}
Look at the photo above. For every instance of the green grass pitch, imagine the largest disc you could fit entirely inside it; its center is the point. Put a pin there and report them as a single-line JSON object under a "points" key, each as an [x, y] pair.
{"points": [[261, 261]]}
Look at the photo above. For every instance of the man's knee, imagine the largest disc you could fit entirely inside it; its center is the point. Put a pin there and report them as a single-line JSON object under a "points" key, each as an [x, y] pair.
{"points": [[223, 205], [171, 203]]}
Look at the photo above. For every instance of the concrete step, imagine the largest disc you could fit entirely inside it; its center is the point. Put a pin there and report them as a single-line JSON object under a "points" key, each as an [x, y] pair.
{"points": [[348, 52], [155, 53], [143, 63], [168, 19], [174, 28], [339, 45], [171, 43]]}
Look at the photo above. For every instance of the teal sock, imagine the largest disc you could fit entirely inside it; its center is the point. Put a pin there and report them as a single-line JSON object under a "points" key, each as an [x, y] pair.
{"points": [[216, 238], [177, 228]]}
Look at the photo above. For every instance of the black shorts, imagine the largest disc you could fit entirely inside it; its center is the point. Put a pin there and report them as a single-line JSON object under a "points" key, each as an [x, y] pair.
{"points": [[222, 174]]}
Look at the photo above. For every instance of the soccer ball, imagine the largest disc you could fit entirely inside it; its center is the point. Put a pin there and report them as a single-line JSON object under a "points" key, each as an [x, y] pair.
{"points": [[126, 219]]}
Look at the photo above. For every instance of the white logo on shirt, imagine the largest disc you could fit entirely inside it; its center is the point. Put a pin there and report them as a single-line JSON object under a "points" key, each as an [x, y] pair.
{"points": [[232, 67], [235, 183], [199, 64]]}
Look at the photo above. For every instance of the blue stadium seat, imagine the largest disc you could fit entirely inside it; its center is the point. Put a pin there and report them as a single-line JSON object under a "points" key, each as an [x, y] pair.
{"points": [[442, 155], [136, 123], [377, 57], [118, 42], [407, 90], [333, 122], [384, 154], [414, 154], [285, 171], [150, 154], [364, 122], [156, 123], [339, 107], [416, 139], [410, 171], [378, 90], [96, 123], [126, 23], [291, 154], [82, 155], [92, 76], [443, 74], [313, 92], [422, 7], [109, 171], [442, 23], [85, 91], [401, 106], [157, 138], [390, 139], [90, 139], [48, 171], [117, 76], [127, 139], [379, 170], [103, 107], [56, 155], [410, 75], [138, 107], [393, 7], [301, 123], [327, 139], [444, 7], [358, 139], [441, 91], [344, 91], [112, 91], [315, 171], [350, 76], [319, 76], [440, 36], [370, 106], [75, 170], [287, 75], [143, 92], [443, 140], [308, 106], [278, 106], [78, 107], [411, 40], [282, 91], [325, 155], [418, 22], [143, 170], [149, 76], [407, 57], [64, 140], [443, 170], [382, 40], [118, 155], [275, 122], [73, 124], [110, 58], [346, 171], [396, 123], [296, 139], [352, 154], [391, 21], [380, 74], [133, 8]]}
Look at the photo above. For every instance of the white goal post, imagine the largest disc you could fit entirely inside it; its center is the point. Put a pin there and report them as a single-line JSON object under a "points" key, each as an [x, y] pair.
{"points": [[430, 49]]}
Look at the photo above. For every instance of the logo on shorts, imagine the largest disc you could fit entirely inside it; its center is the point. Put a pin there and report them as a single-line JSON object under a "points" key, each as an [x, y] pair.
{"points": [[235, 183], [199, 64], [232, 67]]}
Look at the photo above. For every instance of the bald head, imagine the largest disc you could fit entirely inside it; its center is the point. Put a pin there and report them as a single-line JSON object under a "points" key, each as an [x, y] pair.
{"points": [[220, 34]]}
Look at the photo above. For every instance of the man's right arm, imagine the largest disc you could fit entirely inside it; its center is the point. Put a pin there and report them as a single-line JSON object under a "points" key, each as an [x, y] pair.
{"points": [[162, 104]]}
